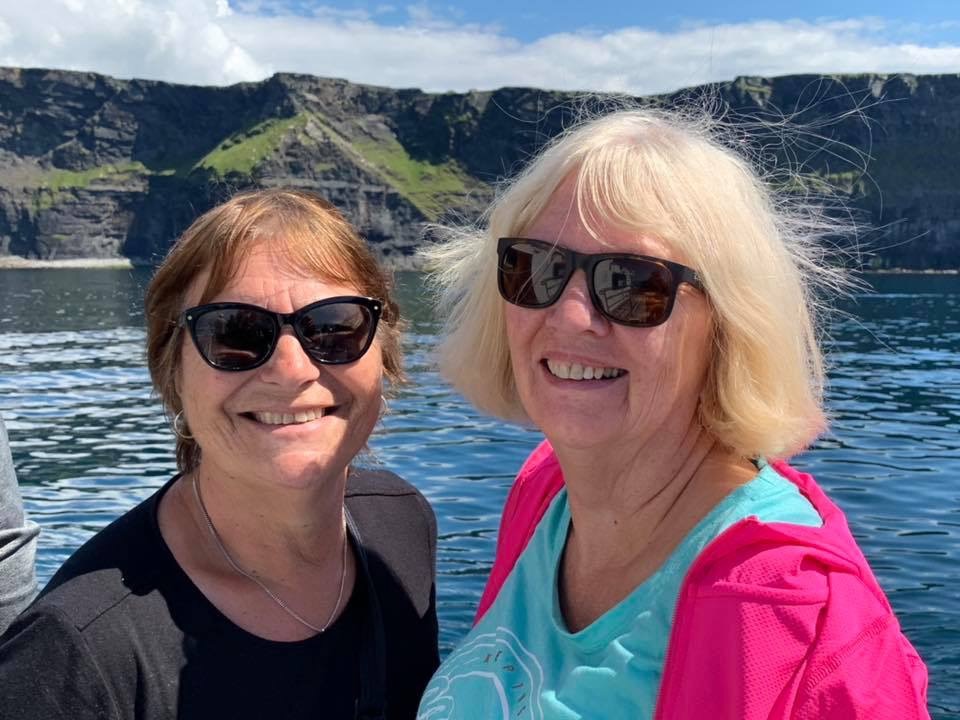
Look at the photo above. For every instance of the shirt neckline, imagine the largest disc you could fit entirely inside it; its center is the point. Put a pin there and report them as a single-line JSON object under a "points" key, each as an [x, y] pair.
{"points": [[205, 614], [618, 618]]}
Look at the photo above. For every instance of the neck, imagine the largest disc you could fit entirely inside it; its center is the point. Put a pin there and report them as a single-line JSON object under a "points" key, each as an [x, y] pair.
{"points": [[274, 532], [627, 499]]}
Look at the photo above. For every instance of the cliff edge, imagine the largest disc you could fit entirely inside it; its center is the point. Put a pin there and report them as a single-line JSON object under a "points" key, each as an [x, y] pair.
{"points": [[96, 167]]}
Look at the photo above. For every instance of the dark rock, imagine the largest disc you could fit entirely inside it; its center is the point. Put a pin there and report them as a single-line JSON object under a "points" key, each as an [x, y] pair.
{"points": [[91, 166]]}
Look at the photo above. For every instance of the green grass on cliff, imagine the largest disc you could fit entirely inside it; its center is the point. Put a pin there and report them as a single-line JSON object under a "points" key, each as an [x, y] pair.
{"points": [[52, 182], [847, 183], [242, 152], [57, 180], [427, 186], [424, 184]]}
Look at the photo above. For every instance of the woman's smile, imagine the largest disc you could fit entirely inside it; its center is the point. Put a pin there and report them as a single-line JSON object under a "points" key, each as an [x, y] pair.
{"points": [[580, 372], [289, 417]]}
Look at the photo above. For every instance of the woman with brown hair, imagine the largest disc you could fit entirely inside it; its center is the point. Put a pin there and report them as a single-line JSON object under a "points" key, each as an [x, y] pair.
{"points": [[269, 577]]}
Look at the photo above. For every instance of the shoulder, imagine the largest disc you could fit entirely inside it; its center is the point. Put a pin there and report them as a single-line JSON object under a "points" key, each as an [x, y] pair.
{"points": [[796, 623], [781, 551], [782, 599], [398, 530], [374, 491], [787, 562], [378, 482], [44, 643], [805, 586], [121, 559]]}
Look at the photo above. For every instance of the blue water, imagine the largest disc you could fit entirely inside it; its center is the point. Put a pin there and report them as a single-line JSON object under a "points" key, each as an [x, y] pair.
{"points": [[89, 440]]}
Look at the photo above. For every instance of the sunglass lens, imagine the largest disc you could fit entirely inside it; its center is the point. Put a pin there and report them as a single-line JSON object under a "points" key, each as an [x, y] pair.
{"points": [[336, 333], [634, 291], [531, 274], [234, 338]]}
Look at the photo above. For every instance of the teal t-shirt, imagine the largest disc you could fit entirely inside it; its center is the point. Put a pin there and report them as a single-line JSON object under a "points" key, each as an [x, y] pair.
{"points": [[521, 662]]}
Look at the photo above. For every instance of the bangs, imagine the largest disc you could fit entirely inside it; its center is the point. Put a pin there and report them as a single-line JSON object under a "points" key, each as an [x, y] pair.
{"points": [[627, 186], [647, 181], [305, 246], [302, 242]]}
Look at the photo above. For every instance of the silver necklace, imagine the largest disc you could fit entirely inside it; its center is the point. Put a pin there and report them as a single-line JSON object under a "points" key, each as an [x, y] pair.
{"points": [[286, 608]]}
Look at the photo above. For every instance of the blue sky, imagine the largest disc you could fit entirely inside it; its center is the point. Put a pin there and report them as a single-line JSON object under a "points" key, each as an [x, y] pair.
{"points": [[633, 47], [531, 19]]}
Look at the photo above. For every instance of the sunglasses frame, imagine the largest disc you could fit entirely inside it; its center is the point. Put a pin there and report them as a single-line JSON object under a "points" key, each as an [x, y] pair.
{"points": [[191, 316], [588, 262]]}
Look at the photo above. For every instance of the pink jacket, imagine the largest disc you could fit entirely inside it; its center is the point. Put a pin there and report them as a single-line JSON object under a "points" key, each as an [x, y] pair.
{"points": [[772, 621]]}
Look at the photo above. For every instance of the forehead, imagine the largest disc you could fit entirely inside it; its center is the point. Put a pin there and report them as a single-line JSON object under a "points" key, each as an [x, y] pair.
{"points": [[561, 221], [267, 275]]}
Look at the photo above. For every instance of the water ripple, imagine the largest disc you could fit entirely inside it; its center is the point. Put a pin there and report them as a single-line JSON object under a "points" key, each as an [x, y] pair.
{"points": [[90, 440]]}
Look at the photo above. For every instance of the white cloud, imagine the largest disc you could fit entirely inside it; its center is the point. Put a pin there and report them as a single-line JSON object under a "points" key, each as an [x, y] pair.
{"points": [[178, 40], [213, 42]]}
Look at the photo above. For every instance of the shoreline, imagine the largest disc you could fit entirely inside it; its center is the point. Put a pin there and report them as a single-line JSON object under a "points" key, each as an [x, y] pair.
{"points": [[15, 262], [404, 263], [908, 271]]}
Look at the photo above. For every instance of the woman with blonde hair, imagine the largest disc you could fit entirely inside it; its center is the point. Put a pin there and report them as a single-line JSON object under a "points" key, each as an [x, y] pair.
{"points": [[270, 577], [643, 298]]}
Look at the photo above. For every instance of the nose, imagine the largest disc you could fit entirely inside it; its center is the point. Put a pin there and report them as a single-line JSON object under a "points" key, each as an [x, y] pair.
{"points": [[289, 364], [574, 310]]}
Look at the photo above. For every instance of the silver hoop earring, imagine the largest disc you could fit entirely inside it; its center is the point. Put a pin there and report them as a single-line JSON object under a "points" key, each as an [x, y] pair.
{"points": [[384, 406], [180, 427]]}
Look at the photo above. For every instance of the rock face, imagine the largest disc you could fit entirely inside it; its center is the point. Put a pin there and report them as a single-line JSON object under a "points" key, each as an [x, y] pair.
{"points": [[91, 166]]}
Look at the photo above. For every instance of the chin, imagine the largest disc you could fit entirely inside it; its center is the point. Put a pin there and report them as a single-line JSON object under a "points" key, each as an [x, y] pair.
{"points": [[300, 471], [579, 441], [578, 432]]}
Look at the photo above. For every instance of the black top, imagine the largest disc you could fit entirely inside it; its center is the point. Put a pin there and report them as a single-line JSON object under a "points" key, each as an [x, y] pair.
{"points": [[121, 632]]}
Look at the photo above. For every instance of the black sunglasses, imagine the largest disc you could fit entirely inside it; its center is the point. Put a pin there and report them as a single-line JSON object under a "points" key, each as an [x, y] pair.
{"points": [[633, 290], [236, 336]]}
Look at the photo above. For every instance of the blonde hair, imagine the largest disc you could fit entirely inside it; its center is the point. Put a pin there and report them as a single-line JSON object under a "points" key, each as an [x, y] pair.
{"points": [[311, 236], [667, 175]]}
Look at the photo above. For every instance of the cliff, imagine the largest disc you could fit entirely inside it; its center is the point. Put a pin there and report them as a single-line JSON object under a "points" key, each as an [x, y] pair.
{"points": [[92, 166]]}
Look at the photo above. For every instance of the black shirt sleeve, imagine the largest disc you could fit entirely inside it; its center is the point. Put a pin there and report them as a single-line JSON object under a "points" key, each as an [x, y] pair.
{"points": [[47, 671]]}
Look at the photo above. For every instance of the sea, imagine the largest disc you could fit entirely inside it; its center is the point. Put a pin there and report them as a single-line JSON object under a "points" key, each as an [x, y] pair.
{"points": [[89, 439]]}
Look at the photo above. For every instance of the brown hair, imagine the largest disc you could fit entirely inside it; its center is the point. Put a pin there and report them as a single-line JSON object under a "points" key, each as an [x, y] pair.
{"points": [[312, 236]]}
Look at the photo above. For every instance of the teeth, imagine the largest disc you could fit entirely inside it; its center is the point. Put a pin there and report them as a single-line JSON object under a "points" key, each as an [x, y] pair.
{"points": [[271, 418], [576, 371]]}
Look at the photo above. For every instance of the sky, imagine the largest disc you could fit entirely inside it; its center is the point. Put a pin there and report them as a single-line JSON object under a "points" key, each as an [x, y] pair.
{"points": [[632, 46]]}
